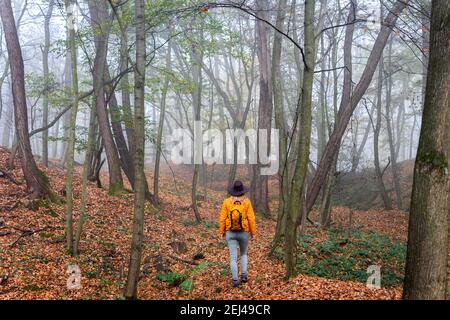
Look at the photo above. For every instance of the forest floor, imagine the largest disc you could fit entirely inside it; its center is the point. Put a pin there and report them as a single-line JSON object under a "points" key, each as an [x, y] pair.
{"points": [[181, 259]]}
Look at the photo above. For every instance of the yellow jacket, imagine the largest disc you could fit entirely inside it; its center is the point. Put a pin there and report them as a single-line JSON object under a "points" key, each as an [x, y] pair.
{"points": [[249, 225]]}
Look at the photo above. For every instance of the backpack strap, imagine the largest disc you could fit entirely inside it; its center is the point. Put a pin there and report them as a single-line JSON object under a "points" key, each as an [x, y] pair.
{"points": [[240, 220]]}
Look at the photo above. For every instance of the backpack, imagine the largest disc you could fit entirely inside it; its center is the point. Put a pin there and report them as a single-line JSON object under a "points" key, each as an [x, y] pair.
{"points": [[236, 216]]}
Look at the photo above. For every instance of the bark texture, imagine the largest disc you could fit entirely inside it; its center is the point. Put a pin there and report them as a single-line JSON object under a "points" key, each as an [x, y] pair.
{"points": [[427, 253]]}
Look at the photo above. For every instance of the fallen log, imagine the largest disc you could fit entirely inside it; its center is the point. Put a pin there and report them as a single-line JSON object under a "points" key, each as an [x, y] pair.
{"points": [[183, 260]]}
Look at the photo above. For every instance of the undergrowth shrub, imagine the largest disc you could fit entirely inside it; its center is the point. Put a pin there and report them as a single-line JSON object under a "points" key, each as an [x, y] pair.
{"points": [[346, 255]]}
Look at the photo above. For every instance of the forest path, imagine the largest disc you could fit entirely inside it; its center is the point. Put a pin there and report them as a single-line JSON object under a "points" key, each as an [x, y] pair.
{"points": [[34, 265], [212, 279]]}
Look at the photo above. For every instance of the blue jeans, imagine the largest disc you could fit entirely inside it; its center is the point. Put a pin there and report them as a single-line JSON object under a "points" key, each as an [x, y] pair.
{"points": [[235, 238]]}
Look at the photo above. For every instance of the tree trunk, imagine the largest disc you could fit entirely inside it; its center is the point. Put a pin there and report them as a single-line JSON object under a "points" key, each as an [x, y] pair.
{"points": [[125, 86], [412, 135], [400, 122], [68, 86], [389, 129], [2, 82], [296, 201], [72, 124], [283, 181], [139, 130], [88, 156], [101, 22], [322, 108], [125, 154], [45, 52], [37, 183], [55, 142], [259, 183], [376, 135], [427, 253], [325, 205], [125, 158], [7, 124], [425, 46], [357, 158], [97, 163], [325, 209], [197, 57], [162, 115], [346, 112]]}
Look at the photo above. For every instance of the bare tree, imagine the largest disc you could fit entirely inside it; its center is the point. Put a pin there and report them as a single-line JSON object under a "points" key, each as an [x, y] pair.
{"points": [[280, 121], [389, 129], [325, 212], [72, 49], [197, 78], [296, 202], [346, 112], [139, 130], [162, 115], [259, 192], [37, 183], [101, 21], [376, 137], [427, 253], [45, 52]]}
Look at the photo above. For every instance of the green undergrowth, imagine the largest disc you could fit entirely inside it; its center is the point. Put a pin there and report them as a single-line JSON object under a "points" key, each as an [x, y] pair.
{"points": [[346, 255], [184, 280]]}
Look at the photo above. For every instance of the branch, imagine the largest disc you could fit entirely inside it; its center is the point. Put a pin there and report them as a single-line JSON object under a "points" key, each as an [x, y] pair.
{"points": [[327, 70], [51, 124], [9, 176], [84, 96], [389, 162], [340, 25], [183, 260], [247, 10], [26, 233]]}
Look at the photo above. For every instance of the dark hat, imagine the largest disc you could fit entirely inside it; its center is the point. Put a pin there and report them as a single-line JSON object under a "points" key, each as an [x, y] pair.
{"points": [[238, 189]]}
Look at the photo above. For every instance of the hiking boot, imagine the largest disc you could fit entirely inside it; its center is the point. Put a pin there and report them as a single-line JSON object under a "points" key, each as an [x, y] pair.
{"points": [[235, 283], [244, 278]]}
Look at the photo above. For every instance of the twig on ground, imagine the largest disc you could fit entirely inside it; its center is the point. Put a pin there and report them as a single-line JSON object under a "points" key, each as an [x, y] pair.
{"points": [[4, 173], [14, 206], [183, 260], [25, 233]]}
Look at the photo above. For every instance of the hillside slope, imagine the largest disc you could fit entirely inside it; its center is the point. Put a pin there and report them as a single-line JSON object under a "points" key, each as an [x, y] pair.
{"points": [[33, 262]]}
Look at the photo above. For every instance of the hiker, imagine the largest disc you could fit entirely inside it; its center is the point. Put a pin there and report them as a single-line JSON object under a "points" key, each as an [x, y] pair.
{"points": [[237, 226]]}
